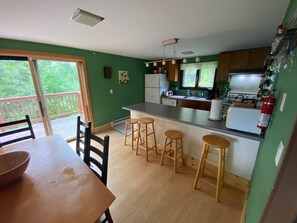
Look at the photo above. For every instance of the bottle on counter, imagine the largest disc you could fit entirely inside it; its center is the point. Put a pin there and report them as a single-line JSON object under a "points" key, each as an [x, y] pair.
{"points": [[188, 93]]}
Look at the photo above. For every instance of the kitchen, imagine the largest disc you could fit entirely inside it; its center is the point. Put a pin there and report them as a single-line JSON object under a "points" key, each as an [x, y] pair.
{"points": [[100, 87]]}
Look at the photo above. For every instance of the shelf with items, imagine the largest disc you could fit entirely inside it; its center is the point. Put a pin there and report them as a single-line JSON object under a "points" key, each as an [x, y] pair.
{"points": [[280, 59]]}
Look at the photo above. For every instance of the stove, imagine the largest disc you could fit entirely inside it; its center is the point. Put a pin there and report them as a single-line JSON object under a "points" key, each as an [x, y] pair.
{"points": [[237, 96]]}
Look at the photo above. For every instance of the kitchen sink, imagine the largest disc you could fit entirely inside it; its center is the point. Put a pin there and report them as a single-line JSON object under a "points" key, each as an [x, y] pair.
{"points": [[189, 98]]}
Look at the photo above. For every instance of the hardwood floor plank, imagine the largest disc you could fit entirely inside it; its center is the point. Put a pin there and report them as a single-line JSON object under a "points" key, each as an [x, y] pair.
{"points": [[148, 192]]}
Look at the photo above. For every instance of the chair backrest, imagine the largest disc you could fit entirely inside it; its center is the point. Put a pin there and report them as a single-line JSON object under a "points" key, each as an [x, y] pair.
{"points": [[14, 132], [96, 155], [81, 130]]}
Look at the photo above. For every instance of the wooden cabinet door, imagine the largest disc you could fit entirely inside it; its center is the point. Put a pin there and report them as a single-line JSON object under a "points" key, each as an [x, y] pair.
{"points": [[172, 71], [257, 58], [239, 60], [201, 105], [223, 67]]}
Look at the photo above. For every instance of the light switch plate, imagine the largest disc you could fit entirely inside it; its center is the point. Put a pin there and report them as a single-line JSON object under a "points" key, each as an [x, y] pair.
{"points": [[279, 153], [281, 107]]}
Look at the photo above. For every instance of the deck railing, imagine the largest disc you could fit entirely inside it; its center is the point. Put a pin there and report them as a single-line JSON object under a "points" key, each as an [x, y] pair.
{"points": [[59, 105]]}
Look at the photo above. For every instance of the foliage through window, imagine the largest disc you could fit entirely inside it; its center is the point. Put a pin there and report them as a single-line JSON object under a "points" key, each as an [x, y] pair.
{"points": [[198, 75]]}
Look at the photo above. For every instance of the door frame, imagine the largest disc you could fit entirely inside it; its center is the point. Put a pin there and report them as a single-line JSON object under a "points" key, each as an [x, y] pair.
{"points": [[81, 68]]}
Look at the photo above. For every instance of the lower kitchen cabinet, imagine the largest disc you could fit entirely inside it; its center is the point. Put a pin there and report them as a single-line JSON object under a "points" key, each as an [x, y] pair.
{"points": [[201, 105]]}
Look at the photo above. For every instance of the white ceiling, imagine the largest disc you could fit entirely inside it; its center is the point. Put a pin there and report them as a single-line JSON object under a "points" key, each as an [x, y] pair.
{"points": [[136, 28]]}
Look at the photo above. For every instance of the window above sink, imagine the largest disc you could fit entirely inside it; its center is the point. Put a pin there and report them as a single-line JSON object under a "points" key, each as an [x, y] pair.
{"points": [[198, 75]]}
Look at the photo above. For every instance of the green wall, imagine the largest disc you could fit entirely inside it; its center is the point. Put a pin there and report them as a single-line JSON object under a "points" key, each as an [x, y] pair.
{"points": [[280, 129], [106, 107]]}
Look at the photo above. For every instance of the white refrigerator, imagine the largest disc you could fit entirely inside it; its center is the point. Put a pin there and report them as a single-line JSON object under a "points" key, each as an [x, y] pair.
{"points": [[155, 85]]}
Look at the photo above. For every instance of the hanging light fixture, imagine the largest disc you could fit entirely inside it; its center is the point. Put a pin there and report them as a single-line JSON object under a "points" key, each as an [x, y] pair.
{"points": [[163, 61], [184, 60], [165, 43], [197, 59], [173, 58]]}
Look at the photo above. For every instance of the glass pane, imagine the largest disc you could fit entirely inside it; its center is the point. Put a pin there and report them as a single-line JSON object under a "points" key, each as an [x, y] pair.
{"points": [[18, 97], [207, 74], [62, 95], [189, 77]]}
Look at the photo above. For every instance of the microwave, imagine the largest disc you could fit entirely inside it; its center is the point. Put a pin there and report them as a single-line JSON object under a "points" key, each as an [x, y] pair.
{"points": [[243, 119]]}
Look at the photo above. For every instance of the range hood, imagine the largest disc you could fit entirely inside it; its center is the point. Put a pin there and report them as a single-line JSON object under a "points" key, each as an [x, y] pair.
{"points": [[245, 83], [246, 72]]}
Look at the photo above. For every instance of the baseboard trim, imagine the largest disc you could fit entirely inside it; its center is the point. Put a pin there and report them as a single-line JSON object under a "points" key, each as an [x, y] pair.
{"points": [[102, 128], [230, 179]]}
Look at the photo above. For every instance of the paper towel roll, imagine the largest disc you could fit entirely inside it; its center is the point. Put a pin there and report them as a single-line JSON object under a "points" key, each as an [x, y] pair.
{"points": [[215, 109]]}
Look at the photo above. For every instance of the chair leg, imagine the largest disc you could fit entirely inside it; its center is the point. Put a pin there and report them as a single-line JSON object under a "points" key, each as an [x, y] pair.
{"points": [[126, 131], [199, 169], [182, 151], [163, 152], [175, 157], [138, 137], [108, 216], [132, 136], [219, 176], [155, 141], [146, 144]]}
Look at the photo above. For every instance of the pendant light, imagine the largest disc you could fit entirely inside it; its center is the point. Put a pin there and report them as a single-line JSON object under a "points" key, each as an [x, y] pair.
{"points": [[163, 61], [173, 60]]}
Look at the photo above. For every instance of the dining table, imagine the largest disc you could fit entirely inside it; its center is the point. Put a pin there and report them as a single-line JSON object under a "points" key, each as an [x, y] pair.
{"points": [[57, 186]]}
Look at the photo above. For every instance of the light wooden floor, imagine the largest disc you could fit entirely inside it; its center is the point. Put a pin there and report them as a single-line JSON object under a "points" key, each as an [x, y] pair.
{"points": [[148, 192]]}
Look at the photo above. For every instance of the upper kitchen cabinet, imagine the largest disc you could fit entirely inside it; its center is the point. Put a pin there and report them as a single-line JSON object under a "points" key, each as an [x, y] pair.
{"points": [[173, 70], [223, 67], [257, 58], [240, 60]]}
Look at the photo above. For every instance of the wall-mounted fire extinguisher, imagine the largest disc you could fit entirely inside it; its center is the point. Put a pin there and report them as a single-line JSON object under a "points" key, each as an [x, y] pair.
{"points": [[266, 112]]}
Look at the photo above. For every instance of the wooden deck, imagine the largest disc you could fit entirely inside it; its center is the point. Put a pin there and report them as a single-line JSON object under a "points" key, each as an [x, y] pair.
{"points": [[66, 127]]}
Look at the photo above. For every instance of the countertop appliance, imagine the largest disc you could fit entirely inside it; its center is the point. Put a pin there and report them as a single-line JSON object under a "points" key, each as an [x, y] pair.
{"points": [[243, 119], [155, 85], [168, 93]]}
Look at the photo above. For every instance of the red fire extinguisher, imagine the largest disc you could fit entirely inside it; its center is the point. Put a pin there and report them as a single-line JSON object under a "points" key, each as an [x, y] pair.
{"points": [[266, 112]]}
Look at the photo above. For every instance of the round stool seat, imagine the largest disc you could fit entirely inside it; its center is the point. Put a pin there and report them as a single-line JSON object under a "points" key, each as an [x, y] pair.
{"points": [[146, 120], [174, 134], [132, 121], [216, 141]]}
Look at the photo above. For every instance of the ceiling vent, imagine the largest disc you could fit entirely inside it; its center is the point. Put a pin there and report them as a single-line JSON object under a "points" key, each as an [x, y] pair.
{"points": [[85, 17], [187, 52]]}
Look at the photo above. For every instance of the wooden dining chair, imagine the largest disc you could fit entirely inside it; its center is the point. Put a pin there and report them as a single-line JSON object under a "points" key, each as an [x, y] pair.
{"points": [[81, 130], [16, 134], [96, 157]]}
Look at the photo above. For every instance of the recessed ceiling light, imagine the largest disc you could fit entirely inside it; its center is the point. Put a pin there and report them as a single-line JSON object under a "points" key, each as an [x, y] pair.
{"points": [[187, 52], [84, 17]]}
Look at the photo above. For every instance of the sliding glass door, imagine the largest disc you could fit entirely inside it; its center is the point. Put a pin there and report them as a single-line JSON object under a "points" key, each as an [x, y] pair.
{"points": [[17, 94], [61, 96], [47, 90]]}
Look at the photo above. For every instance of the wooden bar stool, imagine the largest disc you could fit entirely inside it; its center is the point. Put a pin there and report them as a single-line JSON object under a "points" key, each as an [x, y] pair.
{"points": [[173, 137], [213, 142], [129, 124], [143, 135]]}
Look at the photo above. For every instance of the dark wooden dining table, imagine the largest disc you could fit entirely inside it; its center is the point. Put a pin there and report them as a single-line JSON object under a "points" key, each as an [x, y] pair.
{"points": [[56, 187]]}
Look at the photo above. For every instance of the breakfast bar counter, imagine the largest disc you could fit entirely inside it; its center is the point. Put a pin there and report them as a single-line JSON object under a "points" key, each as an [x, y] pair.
{"points": [[240, 157], [189, 116]]}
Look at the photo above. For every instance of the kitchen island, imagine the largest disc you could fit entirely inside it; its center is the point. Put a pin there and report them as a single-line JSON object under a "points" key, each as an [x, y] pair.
{"points": [[241, 155]]}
